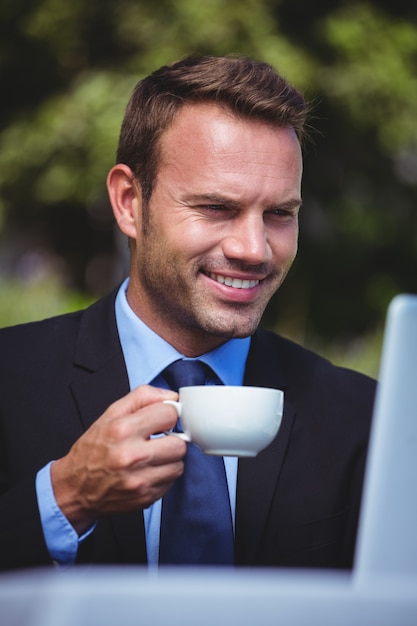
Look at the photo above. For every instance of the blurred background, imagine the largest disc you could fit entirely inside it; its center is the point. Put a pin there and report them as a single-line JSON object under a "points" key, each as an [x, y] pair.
{"points": [[66, 72]]}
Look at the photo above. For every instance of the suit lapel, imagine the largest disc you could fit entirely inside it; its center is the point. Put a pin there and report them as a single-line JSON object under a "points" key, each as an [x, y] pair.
{"points": [[257, 477], [100, 375], [100, 378]]}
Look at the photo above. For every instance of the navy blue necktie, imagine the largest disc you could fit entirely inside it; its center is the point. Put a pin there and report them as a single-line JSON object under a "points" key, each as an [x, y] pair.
{"points": [[196, 521]]}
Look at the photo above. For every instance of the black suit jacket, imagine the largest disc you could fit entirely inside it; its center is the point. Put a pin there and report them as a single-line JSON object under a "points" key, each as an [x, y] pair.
{"points": [[297, 501]]}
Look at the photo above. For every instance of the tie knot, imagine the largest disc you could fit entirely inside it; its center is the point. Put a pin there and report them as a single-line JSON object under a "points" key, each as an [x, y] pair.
{"points": [[186, 373]]}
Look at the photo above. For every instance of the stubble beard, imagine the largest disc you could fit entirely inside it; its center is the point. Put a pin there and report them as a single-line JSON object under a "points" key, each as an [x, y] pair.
{"points": [[187, 315], [178, 310]]}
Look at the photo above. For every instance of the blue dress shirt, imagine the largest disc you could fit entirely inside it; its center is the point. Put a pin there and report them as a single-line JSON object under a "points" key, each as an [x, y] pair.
{"points": [[146, 356]]}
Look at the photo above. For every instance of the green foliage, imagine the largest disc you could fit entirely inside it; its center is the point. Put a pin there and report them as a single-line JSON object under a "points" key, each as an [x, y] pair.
{"points": [[23, 301], [69, 142], [373, 72], [361, 354]]}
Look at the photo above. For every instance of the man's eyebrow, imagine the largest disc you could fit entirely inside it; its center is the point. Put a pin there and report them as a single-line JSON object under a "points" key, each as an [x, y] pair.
{"points": [[213, 198], [289, 205]]}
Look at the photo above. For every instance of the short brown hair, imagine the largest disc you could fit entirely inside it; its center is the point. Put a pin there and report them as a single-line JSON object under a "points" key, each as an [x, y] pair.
{"points": [[248, 88]]}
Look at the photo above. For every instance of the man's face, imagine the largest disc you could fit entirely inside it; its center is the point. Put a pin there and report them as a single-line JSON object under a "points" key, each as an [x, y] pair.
{"points": [[223, 228]]}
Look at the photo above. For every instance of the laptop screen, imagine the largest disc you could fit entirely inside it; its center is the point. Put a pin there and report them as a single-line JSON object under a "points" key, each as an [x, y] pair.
{"points": [[387, 539]]}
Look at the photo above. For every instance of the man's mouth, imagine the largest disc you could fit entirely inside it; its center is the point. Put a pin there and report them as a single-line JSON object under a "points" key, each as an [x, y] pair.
{"points": [[237, 283]]}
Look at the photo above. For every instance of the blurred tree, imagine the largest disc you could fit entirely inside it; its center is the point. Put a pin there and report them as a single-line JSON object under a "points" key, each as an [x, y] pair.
{"points": [[66, 72]]}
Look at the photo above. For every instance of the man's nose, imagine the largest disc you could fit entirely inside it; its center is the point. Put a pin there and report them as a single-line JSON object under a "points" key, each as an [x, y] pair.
{"points": [[246, 240]]}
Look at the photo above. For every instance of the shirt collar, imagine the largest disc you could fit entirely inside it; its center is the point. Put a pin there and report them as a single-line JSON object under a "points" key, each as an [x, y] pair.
{"points": [[146, 354]]}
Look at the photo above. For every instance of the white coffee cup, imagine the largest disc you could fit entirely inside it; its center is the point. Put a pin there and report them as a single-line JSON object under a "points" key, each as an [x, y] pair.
{"points": [[227, 420]]}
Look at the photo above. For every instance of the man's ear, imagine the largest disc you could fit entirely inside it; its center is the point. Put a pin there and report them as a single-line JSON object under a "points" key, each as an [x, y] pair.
{"points": [[126, 199]]}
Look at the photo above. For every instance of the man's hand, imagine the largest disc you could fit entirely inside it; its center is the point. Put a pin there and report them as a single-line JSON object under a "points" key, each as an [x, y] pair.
{"points": [[115, 466]]}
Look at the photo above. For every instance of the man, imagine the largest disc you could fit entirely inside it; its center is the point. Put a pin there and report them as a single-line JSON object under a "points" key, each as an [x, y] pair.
{"points": [[207, 188]]}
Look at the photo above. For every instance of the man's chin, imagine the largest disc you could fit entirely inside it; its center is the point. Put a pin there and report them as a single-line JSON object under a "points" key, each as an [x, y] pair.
{"points": [[234, 331], [228, 323]]}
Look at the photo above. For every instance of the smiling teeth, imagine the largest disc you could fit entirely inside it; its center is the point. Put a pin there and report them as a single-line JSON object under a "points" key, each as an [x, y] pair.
{"points": [[237, 283]]}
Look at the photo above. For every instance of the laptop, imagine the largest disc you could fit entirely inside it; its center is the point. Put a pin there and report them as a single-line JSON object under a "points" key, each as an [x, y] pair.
{"points": [[387, 539]]}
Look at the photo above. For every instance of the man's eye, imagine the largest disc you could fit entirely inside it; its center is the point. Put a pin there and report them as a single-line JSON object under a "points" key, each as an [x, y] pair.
{"points": [[279, 213], [215, 207], [282, 213]]}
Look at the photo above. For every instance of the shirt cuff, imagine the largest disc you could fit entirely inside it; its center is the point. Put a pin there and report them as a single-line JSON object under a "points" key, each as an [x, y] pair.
{"points": [[61, 538]]}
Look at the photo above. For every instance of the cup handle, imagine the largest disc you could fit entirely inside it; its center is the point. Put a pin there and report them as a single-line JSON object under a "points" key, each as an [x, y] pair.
{"points": [[177, 407]]}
